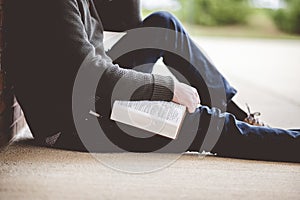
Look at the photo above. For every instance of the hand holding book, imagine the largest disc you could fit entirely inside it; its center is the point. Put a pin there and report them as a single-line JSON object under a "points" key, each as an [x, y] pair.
{"points": [[163, 118], [187, 96], [160, 117]]}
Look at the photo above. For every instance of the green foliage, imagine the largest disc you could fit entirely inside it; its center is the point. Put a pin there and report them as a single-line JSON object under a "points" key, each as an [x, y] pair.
{"points": [[288, 19], [215, 12]]}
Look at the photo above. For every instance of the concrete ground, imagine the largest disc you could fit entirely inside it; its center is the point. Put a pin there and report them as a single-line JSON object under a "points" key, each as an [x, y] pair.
{"points": [[265, 73]]}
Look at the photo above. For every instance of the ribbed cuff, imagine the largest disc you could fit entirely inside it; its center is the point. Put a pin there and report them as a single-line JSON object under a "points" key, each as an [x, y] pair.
{"points": [[163, 89]]}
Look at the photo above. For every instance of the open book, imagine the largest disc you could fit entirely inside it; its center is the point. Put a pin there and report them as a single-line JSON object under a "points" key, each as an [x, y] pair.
{"points": [[160, 117]]}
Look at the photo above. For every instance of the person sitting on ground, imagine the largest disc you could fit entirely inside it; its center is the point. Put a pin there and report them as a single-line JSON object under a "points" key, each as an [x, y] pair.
{"points": [[47, 41]]}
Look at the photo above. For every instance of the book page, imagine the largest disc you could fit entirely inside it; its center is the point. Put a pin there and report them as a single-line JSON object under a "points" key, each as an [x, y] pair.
{"points": [[168, 111], [160, 117], [111, 38]]}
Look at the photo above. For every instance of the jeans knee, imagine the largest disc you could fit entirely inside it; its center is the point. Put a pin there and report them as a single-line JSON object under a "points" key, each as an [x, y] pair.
{"points": [[163, 15], [159, 19]]}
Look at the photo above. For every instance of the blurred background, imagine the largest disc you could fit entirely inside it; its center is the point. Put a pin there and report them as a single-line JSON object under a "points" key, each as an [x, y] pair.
{"points": [[242, 18]]}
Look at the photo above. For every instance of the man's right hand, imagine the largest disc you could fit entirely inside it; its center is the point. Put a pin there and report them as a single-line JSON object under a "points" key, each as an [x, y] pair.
{"points": [[186, 95]]}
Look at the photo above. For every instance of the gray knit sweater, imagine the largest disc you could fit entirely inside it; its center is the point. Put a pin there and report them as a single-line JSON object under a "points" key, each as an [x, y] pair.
{"points": [[46, 42]]}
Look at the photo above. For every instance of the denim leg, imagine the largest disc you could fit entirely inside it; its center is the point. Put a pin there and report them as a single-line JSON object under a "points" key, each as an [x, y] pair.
{"points": [[228, 137], [241, 140], [191, 62], [207, 129], [186, 60]]}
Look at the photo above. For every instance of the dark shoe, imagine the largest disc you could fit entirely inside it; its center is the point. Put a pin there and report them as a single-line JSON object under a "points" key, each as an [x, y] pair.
{"points": [[253, 119]]}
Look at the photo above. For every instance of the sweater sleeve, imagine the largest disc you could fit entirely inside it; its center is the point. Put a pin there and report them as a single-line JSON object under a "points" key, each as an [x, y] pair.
{"points": [[151, 87]]}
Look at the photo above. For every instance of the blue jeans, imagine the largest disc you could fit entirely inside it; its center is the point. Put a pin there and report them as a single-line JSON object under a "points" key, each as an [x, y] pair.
{"points": [[216, 127]]}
